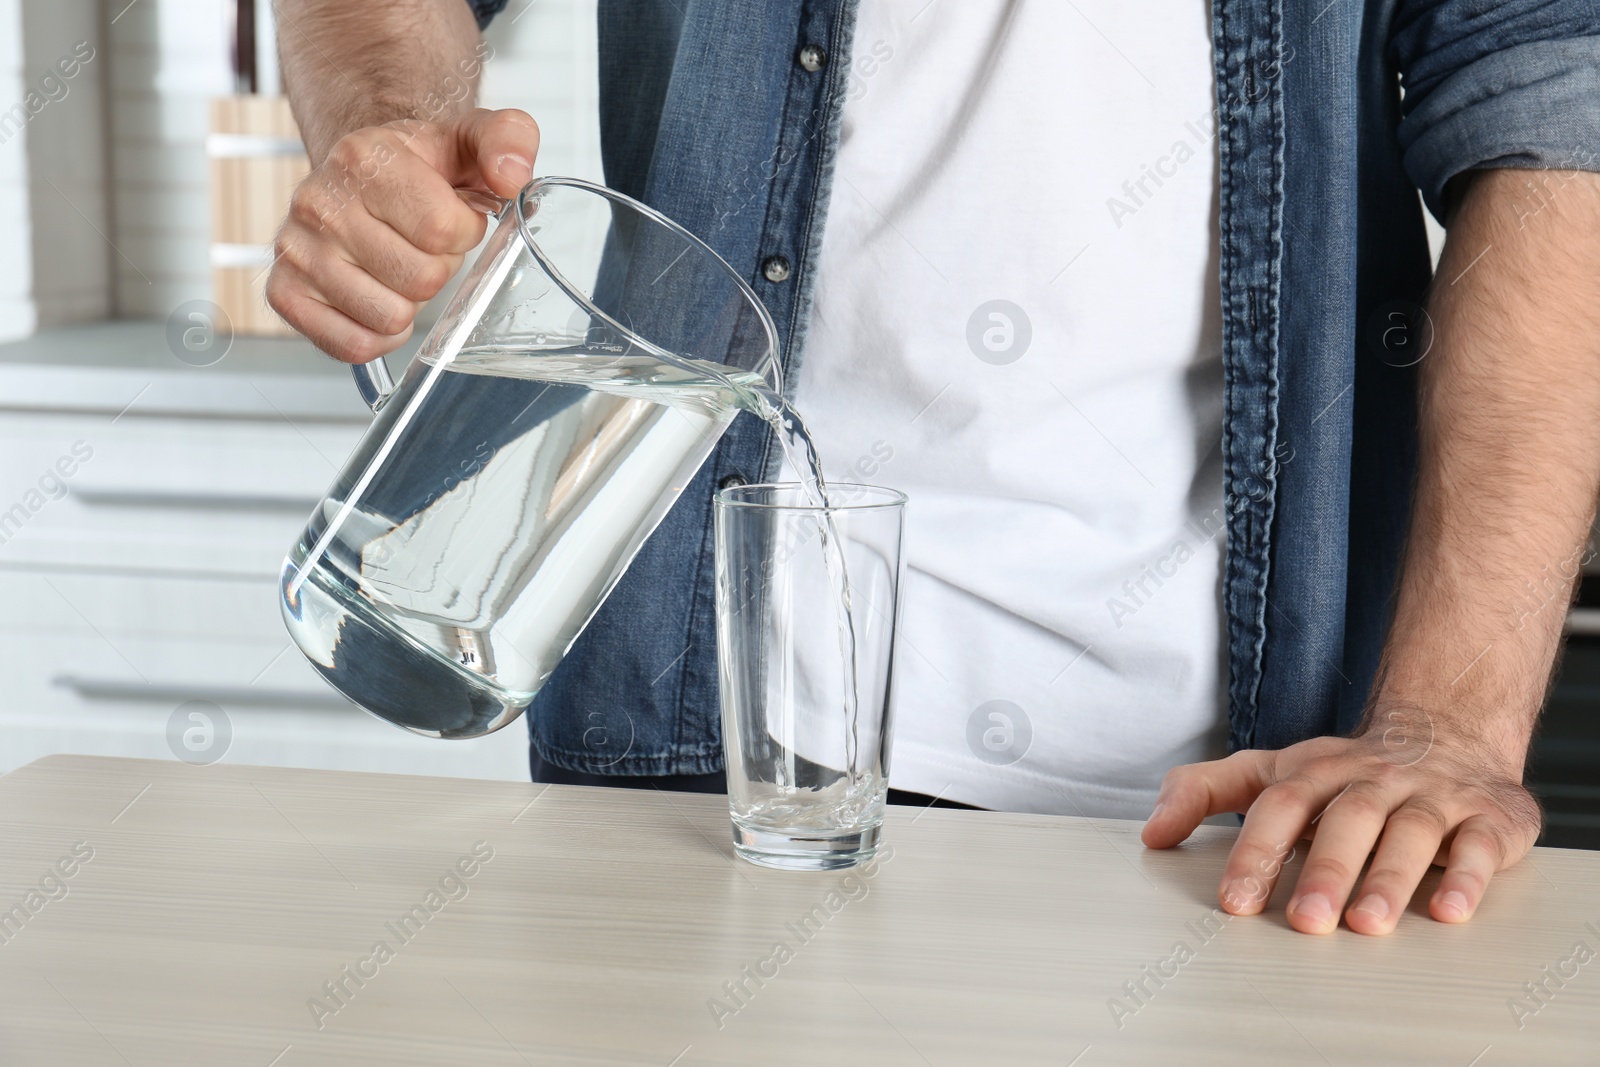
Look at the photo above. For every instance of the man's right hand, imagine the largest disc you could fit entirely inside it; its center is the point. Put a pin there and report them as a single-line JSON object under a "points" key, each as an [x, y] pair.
{"points": [[382, 223]]}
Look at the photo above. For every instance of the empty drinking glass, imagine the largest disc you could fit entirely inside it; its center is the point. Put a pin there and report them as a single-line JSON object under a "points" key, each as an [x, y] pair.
{"points": [[807, 603]]}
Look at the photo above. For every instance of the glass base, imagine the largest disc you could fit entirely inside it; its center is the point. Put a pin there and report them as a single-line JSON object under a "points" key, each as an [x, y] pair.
{"points": [[792, 851]]}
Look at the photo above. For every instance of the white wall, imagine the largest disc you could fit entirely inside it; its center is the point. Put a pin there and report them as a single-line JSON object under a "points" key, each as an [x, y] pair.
{"points": [[168, 58], [54, 255], [65, 63], [16, 234]]}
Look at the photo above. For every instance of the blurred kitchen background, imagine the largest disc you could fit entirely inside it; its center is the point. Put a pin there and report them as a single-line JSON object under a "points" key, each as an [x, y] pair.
{"points": [[148, 488]]}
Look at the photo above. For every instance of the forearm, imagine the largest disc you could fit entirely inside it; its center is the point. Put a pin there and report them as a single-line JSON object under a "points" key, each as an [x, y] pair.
{"points": [[1509, 458], [349, 64]]}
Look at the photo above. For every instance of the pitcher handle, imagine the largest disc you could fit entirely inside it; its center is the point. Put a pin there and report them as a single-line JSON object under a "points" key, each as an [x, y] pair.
{"points": [[372, 379], [373, 382]]}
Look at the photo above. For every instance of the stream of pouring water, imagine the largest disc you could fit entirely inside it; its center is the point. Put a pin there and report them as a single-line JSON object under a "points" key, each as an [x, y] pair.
{"points": [[801, 451]]}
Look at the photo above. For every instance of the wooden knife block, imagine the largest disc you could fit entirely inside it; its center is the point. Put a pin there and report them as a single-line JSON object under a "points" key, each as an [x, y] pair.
{"points": [[256, 159]]}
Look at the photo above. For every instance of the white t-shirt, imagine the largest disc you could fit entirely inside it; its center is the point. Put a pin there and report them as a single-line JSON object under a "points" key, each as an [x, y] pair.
{"points": [[1017, 323]]}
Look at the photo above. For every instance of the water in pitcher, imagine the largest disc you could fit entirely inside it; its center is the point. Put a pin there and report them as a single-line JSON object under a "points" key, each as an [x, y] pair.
{"points": [[443, 580]]}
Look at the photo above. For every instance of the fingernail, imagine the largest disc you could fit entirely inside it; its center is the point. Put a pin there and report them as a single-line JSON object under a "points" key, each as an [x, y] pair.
{"points": [[1240, 901], [1373, 905], [1314, 907], [1455, 901], [1156, 812], [514, 168]]}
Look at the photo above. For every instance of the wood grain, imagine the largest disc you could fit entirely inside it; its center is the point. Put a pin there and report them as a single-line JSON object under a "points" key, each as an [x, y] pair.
{"points": [[249, 196], [219, 900]]}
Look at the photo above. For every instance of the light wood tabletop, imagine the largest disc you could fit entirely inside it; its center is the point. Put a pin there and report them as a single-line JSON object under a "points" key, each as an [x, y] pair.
{"points": [[159, 913]]}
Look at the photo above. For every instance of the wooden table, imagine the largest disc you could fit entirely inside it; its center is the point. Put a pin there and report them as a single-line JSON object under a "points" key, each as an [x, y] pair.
{"points": [[189, 915]]}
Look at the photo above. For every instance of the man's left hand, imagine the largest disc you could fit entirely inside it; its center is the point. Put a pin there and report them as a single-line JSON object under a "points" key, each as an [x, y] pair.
{"points": [[1416, 799]]}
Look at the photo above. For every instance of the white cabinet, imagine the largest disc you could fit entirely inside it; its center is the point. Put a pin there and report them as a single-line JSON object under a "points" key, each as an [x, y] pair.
{"points": [[145, 508]]}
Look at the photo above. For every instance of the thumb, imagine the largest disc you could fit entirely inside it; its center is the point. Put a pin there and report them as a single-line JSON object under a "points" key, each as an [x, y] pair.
{"points": [[483, 149], [1194, 791]]}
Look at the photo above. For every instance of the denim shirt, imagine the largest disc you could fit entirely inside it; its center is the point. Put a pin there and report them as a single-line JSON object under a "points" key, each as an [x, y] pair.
{"points": [[708, 115]]}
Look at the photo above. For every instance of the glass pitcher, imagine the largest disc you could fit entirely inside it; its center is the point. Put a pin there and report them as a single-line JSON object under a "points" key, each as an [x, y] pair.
{"points": [[585, 368]]}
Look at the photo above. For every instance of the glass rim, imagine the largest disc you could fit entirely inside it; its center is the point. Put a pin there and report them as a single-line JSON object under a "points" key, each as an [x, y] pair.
{"points": [[774, 358], [887, 498]]}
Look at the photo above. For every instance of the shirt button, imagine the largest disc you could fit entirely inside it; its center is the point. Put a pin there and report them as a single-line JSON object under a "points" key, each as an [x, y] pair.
{"points": [[812, 58], [732, 481], [775, 269]]}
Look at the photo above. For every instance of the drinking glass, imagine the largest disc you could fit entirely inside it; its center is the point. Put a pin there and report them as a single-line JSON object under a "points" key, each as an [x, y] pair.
{"points": [[807, 603]]}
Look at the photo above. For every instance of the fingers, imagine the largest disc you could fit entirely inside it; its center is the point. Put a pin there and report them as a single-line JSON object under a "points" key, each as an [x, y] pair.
{"points": [[1346, 831], [380, 227], [363, 298], [493, 149], [1476, 853], [406, 191], [391, 259], [297, 299], [1276, 820], [1192, 792], [1409, 846]]}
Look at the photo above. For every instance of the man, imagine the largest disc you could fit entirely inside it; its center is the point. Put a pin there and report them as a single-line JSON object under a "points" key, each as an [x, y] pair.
{"points": [[1048, 256]]}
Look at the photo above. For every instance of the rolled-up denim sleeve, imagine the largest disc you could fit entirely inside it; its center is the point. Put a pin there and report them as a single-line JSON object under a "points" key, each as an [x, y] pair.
{"points": [[485, 10], [1510, 84]]}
